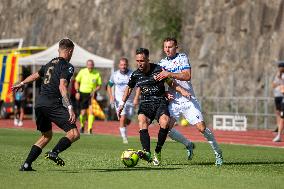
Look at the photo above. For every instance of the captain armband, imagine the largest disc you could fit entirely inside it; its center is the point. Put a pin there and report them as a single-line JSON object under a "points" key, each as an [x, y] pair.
{"points": [[109, 83]]}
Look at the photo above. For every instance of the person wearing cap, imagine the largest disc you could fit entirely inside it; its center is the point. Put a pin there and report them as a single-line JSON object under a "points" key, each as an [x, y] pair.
{"points": [[278, 91]]}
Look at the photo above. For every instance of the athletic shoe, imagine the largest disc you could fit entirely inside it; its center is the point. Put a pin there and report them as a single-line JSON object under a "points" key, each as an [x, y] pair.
{"points": [[277, 139], [26, 167], [20, 123], [145, 156], [54, 157], [157, 159], [189, 150], [275, 130], [16, 122], [124, 141], [82, 130], [90, 131], [219, 159]]}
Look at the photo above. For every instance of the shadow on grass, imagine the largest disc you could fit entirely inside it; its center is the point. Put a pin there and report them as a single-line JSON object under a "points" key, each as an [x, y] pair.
{"points": [[65, 171], [131, 169], [116, 169], [232, 163]]}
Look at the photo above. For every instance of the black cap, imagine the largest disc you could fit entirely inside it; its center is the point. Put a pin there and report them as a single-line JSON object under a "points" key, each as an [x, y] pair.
{"points": [[280, 64]]}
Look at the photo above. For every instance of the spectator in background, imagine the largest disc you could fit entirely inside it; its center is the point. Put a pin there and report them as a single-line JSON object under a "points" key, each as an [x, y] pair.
{"points": [[119, 80], [87, 83], [19, 106], [278, 91]]}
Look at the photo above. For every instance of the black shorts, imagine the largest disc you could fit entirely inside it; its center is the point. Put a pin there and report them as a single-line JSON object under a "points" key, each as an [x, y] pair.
{"points": [[154, 109], [278, 102], [19, 104], [58, 115], [85, 100]]}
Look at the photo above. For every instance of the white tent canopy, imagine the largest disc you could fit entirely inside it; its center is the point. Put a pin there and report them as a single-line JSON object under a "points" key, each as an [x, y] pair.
{"points": [[79, 58]]}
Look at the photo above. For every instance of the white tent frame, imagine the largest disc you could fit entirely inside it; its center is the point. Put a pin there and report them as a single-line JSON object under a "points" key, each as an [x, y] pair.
{"points": [[79, 59]]}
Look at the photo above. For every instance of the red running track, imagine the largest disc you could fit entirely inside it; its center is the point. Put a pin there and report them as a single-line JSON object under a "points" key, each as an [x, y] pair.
{"points": [[251, 137]]}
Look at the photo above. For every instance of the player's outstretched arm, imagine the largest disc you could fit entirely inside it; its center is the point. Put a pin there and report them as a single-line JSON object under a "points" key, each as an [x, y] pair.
{"points": [[184, 75], [64, 93], [29, 79]]}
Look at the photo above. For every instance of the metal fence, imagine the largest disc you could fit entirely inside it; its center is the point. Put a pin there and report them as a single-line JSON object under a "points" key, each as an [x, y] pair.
{"points": [[260, 111]]}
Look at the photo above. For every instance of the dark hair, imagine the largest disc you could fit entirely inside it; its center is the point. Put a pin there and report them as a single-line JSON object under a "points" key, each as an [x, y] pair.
{"points": [[124, 59], [280, 64], [171, 39], [142, 51], [66, 44]]}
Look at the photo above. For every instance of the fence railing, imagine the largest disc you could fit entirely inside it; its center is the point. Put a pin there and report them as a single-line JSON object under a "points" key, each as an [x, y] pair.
{"points": [[260, 111]]}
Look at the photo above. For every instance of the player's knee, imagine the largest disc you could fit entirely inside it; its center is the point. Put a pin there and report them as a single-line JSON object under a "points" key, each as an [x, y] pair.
{"points": [[73, 135], [201, 127], [46, 137], [76, 136]]}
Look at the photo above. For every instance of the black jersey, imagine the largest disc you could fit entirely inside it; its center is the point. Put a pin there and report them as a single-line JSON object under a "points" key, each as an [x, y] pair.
{"points": [[150, 88], [58, 68]]}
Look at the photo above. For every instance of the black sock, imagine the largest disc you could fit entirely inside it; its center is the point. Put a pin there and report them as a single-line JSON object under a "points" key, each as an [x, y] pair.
{"points": [[145, 139], [162, 136], [33, 155], [62, 145]]}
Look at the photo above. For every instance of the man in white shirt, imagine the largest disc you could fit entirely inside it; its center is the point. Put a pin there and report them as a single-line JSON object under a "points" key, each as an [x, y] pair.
{"points": [[119, 79], [177, 66]]}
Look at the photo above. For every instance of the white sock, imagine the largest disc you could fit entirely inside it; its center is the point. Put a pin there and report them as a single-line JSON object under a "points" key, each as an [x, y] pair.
{"points": [[123, 132], [211, 140], [177, 136]]}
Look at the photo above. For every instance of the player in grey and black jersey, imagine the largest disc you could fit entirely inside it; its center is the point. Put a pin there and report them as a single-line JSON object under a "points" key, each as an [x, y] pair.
{"points": [[53, 105]]}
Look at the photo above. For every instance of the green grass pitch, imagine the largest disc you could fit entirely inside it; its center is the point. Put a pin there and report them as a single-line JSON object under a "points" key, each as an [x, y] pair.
{"points": [[94, 162]]}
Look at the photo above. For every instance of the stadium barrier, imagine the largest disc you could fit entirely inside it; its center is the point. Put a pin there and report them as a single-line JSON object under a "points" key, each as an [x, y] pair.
{"points": [[230, 122]]}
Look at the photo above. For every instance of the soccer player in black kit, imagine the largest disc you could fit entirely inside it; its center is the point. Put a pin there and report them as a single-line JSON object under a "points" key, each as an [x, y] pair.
{"points": [[153, 103], [53, 105]]}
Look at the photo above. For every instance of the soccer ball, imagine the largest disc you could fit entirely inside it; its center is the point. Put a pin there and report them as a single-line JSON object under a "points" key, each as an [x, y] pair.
{"points": [[184, 122], [129, 158]]}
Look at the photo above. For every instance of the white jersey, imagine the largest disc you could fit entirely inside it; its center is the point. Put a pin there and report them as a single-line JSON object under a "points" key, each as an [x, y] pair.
{"points": [[176, 65], [189, 108], [120, 81]]}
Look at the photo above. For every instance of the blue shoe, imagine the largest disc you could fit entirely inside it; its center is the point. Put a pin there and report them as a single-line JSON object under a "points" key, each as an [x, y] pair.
{"points": [[189, 150]]}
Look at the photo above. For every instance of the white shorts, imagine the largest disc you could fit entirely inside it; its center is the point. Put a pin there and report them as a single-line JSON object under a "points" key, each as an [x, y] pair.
{"points": [[127, 111], [190, 109]]}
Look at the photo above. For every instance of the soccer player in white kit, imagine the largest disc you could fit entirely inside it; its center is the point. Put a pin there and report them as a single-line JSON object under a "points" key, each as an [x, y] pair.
{"points": [[119, 79], [177, 66]]}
